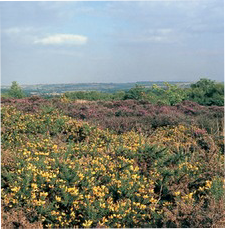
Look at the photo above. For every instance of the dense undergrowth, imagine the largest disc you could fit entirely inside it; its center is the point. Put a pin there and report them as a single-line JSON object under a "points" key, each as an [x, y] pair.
{"points": [[129, 163]]}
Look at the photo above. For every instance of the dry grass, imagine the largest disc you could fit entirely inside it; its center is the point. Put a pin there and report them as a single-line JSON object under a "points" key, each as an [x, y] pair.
{"points": [[17, 219], [82, 101]]}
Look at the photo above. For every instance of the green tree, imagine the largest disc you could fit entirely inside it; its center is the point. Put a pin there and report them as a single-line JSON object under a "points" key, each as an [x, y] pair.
{"points": [[137, 93], [15, 91], [207, 92], [204, 84], [167, 95]]}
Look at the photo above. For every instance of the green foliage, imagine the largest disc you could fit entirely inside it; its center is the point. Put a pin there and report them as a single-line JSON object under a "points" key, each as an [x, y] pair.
{"points": [[94, 95], [204, 92], [137, 93], [15, 91], [168, 95], [4, 93], [207, 92], [217, 189]]}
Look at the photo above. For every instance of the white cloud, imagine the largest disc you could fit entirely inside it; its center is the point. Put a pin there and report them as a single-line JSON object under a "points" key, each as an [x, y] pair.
{"points": [[56, 3], [162, 35], [60, 39], [20, 35], [149, 7], [174, 3], [31, 35], [18, 30]]}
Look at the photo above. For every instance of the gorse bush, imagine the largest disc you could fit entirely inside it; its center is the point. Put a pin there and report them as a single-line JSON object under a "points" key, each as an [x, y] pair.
{"points": [[85, 192], [60, 172]]}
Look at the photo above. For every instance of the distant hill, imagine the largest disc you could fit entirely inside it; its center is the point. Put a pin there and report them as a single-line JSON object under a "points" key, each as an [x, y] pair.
{"points": [[57, 89]]}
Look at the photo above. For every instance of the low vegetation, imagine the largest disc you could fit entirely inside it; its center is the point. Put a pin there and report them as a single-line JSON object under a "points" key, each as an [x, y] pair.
{"points": [[125, 163]]}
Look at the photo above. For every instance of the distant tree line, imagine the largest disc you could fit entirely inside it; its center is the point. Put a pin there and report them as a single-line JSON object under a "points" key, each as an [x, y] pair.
{"points": [[204, 92], [95, 95]]}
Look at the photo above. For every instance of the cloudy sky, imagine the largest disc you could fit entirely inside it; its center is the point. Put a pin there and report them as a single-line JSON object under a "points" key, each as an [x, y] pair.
{"points": [[123, 41]]}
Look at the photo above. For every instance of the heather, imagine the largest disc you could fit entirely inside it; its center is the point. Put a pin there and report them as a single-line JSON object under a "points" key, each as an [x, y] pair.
{"points": [[121, 116]]}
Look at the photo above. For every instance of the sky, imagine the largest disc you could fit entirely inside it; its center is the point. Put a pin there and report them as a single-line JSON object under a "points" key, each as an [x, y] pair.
{"points": [[111, 41]]}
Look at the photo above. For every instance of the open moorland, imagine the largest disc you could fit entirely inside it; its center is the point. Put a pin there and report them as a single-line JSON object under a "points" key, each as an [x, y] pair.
{"points": [[69, 163]]}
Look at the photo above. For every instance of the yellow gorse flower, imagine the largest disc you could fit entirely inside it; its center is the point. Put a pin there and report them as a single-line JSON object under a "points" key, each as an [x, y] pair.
{"points": [[15, 189], [58, 198], [87, 223]]}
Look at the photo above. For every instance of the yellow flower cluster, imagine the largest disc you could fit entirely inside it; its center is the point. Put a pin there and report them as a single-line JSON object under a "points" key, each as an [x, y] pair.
{"points": [[93, 181], [75, 175], [189, 166]]}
